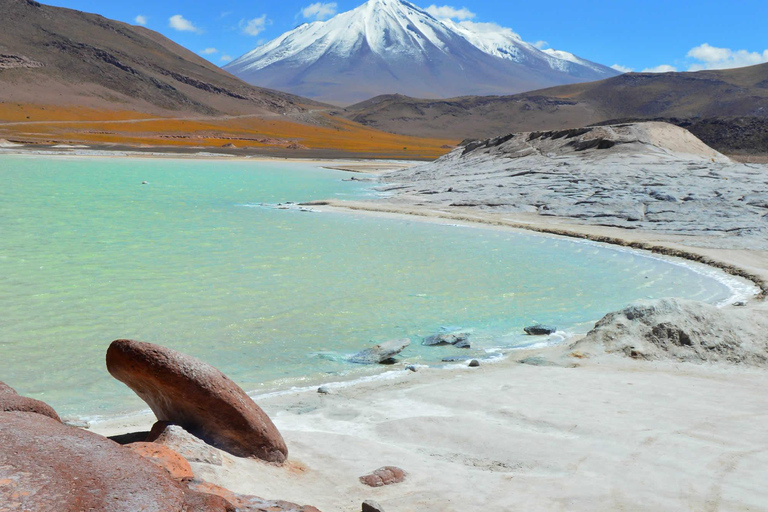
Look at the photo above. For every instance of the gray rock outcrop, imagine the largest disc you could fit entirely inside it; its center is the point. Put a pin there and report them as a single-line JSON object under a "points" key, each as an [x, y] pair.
{"points": [[683, 330], [457, 339], [381, 353]]}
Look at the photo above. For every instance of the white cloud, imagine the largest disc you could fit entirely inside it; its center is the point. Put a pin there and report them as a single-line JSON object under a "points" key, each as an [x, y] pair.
{"points": [[622, 69], [226, 58], [209, 51], [541, 44], [255, 26], [140, 19], [319, 11], [712, 57], [178, 22], [664, 68], [448, 12]]}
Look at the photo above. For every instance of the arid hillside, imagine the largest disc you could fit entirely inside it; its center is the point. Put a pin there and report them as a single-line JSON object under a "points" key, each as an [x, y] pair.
{"points": [[78, 78], [727, 109]]}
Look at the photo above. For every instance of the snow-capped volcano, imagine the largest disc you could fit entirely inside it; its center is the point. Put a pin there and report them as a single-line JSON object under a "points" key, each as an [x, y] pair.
{"points": [[393, 46]]}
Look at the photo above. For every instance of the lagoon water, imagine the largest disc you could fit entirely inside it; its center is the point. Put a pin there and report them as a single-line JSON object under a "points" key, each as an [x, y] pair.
{"points": [[273, 298]]}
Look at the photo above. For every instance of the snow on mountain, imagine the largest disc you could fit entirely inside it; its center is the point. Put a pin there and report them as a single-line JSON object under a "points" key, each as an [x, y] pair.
{"points": [[393, 46]]}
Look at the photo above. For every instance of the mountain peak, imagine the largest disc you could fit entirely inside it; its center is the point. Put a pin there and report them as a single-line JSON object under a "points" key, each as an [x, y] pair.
{"points": [[393, 46]]}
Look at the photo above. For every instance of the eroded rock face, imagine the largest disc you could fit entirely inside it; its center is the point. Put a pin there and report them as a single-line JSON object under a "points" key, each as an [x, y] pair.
{"points": [[46, 465], [10, 401], [183, 390], [245, 503], [684, 330], [383, 476], [380, 353]]}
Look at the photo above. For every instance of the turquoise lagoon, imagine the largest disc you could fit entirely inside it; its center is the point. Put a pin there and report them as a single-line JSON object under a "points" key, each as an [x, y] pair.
{"points": [[273, 298]]}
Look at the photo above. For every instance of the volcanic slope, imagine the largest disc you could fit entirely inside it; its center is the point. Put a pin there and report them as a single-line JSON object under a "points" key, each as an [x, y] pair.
{"points": [[393, 46], [73, 77], [728, 109]]}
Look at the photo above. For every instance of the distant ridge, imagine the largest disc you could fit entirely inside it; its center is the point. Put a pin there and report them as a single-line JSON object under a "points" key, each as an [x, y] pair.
{"points": [[393, 46], [727, 109], [55, 56]]}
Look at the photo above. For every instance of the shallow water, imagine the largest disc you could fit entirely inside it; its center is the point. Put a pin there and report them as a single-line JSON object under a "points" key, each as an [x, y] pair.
{"points": [[271, 297]]}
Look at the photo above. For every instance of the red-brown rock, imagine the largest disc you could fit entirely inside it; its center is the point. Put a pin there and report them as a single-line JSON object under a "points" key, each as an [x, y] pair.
{"points": [[46, 465], [176, 465], [383, 476], [245, 503], [10, 401], [183, 390], [5, 389]]}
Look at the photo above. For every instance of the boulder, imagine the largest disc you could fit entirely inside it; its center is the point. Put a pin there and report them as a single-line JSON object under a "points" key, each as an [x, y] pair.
{"points": [[176, 465], [10, 401], [46, 465], [246, 503], [380, 353], [183, 443], [196, 396], [457, 339], [540, 330], [384, 476]]}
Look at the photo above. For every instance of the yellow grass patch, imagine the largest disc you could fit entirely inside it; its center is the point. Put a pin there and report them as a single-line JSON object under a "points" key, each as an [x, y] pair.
{"points": [[98, 127]]}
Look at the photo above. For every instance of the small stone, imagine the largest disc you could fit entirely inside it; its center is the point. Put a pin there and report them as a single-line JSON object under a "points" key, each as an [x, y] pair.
{"points": [[383, 476], [474, 363], [540, 330], [371, 506], [324, 390]]}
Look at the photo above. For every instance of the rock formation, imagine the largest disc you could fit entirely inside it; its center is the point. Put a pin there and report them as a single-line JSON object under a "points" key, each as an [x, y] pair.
{"points": [[12, 401], [381, 353], [46, 465], [185, 391], [683, 330]]}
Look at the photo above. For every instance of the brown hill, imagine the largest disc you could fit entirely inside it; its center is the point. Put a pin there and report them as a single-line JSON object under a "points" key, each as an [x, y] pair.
{"points": [[728, 109], [73, 77], [55, 56]]}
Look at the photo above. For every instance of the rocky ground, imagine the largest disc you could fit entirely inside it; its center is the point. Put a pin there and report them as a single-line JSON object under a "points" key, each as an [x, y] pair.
{"points": [[650, 176]]}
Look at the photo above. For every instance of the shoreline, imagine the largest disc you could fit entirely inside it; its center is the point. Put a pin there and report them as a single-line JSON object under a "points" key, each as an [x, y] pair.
{"points": [[660, 435]]}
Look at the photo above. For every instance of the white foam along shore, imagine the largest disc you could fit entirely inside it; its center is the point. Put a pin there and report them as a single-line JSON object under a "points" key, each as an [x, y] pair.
{"points": [[602, 433]]}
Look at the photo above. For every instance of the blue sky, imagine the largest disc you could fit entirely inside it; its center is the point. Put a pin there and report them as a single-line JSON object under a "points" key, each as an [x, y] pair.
{"points": [[635, 35]]}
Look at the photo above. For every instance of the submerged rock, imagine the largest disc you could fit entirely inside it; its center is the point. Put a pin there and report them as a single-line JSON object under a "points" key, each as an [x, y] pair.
{"points": [[457, 339], [384, 476], [380, 353], [187, 392], [540, 330]]}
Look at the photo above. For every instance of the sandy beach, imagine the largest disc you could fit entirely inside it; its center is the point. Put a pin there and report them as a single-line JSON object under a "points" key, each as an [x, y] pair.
{"points": [[565, 430]]}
